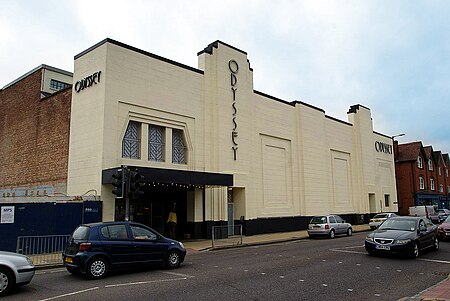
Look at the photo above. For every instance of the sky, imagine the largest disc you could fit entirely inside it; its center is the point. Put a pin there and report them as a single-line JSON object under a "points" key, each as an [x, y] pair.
{"points": [[392, 56]]}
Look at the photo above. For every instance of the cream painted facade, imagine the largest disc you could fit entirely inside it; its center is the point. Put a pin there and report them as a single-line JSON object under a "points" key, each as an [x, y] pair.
{"points": [[288, 159]]}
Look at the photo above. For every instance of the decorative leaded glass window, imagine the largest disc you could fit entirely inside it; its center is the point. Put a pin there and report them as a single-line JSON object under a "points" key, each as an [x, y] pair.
{"points": [[131, 143], [156, 143], [178, 147]]}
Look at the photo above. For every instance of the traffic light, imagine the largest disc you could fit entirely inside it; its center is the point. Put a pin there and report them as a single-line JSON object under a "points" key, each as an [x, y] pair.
{"points": [[136, 184], [118, 183]]}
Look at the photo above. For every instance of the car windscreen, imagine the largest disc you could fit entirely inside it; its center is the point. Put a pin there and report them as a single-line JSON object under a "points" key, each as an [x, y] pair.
{"points": [[81, 233], [318, 220], [398, 224]]}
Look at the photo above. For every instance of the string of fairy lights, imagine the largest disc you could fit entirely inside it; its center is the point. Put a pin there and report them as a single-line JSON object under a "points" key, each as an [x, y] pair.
{"points": [[176, 185]]}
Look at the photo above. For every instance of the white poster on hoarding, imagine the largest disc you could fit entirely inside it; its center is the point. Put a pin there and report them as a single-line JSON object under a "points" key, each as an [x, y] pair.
{"points": [[7, 215]]}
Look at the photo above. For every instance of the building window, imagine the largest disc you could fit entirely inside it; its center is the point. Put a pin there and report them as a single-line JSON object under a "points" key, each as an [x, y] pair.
{"points": [[131, 143], [432, 184], [57, 85], [448, 189], [430, 164], [387, 200], [441, 188], [439, 170], [156, 143], [178, 147], [421, 183], [419, 162], [446, 173]]}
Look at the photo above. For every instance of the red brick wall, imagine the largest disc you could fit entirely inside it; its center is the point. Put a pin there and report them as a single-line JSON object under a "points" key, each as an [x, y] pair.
{"points": [[34, 135], [406, 186]]}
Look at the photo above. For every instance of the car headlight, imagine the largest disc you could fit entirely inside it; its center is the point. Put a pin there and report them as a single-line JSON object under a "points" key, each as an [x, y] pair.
{"points": [[402, 241], [369, 239], [30, 261], [181, 245]]}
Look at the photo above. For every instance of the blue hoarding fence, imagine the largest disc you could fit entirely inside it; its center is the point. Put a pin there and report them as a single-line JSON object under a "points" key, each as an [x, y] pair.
{"points": [[45, 219]]}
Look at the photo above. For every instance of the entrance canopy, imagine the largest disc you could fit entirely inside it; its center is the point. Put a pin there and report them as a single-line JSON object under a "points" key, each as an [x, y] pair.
{"points": [[169, 176]]}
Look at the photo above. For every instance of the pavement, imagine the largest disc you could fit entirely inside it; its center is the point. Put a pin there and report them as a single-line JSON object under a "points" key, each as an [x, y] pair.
{"points": [[438, 292]]}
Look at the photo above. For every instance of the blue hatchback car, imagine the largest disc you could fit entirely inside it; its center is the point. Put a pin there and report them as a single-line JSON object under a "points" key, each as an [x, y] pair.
{"points": [[95, 249]]}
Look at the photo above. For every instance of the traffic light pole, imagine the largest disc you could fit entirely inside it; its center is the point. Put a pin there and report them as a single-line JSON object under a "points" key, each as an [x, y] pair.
{"points": [[126, 183]]}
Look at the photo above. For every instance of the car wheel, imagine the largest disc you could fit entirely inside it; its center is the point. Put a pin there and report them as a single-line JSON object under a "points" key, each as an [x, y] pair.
{"points": [[173, 260], [349, 232], [416, 250], [6, 281], [436, 244], [97, 268], [73, 271], [332, 235]]}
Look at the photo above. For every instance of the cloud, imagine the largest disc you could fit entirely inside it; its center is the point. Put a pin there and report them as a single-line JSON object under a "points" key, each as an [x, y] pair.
{"points": [[391, 56]]}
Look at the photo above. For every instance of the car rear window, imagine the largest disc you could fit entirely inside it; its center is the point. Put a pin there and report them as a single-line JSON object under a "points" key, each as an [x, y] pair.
{"points": [[319, 220], [81, 233], [380, 216]]}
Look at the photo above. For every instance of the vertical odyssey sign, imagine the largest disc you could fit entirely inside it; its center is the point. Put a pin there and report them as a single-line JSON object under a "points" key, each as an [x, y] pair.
{"points": [[234, 68]]}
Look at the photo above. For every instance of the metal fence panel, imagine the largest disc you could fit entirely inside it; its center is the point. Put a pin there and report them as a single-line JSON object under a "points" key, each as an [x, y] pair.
{"points": [[45, 249], [223, 236]]}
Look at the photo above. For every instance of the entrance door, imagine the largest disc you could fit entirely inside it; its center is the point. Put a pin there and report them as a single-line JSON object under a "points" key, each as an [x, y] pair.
{"points": [[152, 209], [230, 219], [372, 203]]}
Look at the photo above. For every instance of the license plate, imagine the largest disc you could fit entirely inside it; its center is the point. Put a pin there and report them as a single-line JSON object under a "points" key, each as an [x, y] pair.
{"points": [[381, 247], [316, 227], [68, 260]]}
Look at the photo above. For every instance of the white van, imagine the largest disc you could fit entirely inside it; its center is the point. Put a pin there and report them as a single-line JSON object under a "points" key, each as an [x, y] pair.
{"points": [[427, 211]]}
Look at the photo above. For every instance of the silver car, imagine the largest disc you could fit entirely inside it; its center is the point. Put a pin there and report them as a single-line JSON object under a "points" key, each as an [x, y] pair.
{"points": [[15, 269], [328, 225], [379, 218]]}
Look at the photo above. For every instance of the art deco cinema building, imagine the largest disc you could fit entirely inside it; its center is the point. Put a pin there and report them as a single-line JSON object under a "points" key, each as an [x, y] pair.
{"points": [[218, 151]]}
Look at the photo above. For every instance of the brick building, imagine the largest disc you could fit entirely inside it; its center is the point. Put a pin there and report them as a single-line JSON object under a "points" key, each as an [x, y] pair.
{"points": [[422, 176], [34, 134]]}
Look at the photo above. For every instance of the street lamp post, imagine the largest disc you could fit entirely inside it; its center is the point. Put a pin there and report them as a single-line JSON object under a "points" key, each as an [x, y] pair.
{"points": [[399, 135]]}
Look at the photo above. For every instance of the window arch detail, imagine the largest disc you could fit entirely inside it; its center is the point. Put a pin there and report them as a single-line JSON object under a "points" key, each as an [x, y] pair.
{"points": [[131, 143], [419, 162]]}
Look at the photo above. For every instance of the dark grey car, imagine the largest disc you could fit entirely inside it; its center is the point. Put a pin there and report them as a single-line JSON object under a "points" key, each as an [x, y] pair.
{"points": [[407, 235]]}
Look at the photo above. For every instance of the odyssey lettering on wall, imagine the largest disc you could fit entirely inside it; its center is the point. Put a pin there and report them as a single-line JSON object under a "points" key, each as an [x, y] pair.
{"points": [[382, 147], [88, 81], [234, 68]]}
